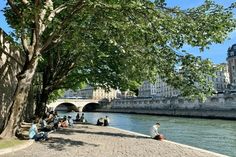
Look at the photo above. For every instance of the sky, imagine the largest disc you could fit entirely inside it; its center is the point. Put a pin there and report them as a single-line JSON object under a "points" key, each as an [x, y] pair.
{"points": [[217, 52]]}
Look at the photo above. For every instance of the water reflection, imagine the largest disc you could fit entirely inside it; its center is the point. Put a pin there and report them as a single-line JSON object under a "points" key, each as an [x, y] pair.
{"points": [[214, 135]]}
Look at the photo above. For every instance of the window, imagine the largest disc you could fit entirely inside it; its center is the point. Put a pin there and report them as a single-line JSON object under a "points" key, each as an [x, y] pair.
{"points": [[231, 53]]}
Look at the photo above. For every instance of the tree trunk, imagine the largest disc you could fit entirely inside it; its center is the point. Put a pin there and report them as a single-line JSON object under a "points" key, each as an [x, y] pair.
{"points": [[44, 91], [28, 112], [41, 103], [20, 98]]}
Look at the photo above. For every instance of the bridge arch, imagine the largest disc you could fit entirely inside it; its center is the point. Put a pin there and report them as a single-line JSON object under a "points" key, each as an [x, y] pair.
{"points": [[66, 106], [71, 104], [90, 107]]}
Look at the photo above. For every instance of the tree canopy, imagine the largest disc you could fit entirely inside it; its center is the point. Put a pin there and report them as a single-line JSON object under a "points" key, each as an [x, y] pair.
{"points": [[121, 43], [116, 43]]}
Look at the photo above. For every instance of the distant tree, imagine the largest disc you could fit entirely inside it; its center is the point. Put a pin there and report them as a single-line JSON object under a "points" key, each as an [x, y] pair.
{"points": [[145, 34]]}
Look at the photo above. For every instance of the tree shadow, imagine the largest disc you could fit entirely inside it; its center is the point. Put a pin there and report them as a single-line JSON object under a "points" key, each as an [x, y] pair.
{"points": [[60, 144], [69, 131]]}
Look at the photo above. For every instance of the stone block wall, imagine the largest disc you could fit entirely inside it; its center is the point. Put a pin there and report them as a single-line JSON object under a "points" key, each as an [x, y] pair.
{"points": [[11, 61], [221, 106]]}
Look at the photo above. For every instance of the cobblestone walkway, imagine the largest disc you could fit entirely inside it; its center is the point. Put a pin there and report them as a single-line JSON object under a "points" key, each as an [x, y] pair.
{"points": [[94, 141]]}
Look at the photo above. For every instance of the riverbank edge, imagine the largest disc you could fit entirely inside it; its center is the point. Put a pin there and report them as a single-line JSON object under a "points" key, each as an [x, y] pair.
{"points": [[30, 142], [182, 145], [206, 114], [16, 148]]}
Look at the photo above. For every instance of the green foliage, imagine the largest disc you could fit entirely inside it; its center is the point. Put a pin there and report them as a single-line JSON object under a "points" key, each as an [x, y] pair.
{"points": [[119, 44], [55, 95]]}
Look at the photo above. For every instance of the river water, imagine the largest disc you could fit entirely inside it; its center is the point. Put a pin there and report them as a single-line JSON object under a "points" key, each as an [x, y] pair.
{"points": [[210, 134]]}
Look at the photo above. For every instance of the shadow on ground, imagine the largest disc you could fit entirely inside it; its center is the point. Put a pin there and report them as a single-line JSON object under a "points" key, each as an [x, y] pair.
{"points": [[70, 131], [59, 144]]}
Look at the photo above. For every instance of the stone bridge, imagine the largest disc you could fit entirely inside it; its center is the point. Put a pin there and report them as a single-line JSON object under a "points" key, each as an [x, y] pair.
{"points": [[74, 104]]}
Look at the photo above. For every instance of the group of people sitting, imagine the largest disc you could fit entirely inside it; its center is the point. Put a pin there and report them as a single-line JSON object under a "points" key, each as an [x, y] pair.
{"points": [[103, 121], [49, 122], [52, 121], [79, 118], [65, 122]]}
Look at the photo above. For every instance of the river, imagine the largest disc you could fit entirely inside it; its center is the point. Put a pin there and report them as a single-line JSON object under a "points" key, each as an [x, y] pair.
{"points": [[210, 134]]}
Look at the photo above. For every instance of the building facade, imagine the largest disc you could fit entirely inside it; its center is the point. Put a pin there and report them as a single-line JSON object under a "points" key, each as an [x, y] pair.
{"points": [[161, 89], [125, 94], [221, 80], [91, 93], [231, 59], [147, 89], [165, 90], [158, 89]]}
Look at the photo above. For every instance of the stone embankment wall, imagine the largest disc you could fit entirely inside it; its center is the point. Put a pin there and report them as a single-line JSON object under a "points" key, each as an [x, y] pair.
{"points": [[221, 106], [10, 65]]}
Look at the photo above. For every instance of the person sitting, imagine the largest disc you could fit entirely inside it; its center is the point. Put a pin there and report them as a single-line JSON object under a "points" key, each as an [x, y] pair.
{"points": [[34, 134], [50, 117], [70, 121], [55, 120], [106, 121], [77, 118], [63, 122], [154, 132], [43, 124], [100, 121], [82, 119]]}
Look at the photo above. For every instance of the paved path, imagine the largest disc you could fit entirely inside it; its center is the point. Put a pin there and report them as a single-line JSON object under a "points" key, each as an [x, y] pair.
{"points": [[94, 141]]}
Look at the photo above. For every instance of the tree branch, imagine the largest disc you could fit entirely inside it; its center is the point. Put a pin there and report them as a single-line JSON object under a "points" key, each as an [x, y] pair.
{"points": [[37, 29], [25, 1], [14, 8], [24, 44], [63, 25], [56, 11], [48, 6], [59, 80], [52, 14]]}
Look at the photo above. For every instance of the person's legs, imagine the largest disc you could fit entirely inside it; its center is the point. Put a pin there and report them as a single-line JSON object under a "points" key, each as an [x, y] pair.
{"points": [[106, 123], [36, 137], [46, 129], [99, 123], [159, 137], [41, 136], [45, 136], [56, 125]]}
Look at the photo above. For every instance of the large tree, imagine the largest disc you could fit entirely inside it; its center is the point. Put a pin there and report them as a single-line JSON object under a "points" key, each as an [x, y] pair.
{"points": [[141, 32]]}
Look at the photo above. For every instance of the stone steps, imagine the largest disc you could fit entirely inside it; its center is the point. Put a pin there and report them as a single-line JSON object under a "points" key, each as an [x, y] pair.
{"points": [[23, 131]]}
